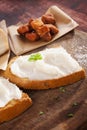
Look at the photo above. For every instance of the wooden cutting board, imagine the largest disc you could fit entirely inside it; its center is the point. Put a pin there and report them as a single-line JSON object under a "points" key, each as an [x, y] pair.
{"points": [[52, 109]]}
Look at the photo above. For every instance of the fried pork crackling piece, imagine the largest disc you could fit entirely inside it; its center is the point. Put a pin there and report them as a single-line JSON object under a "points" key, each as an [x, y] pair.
{"points": [[48, 19], [47, 36], [23, 29], [42, 30], [53, 29], [36, 24], [33, 36]]}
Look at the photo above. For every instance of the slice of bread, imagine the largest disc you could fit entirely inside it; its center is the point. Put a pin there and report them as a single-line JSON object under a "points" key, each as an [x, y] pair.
{"points": [[46, 83], [14, 107]]}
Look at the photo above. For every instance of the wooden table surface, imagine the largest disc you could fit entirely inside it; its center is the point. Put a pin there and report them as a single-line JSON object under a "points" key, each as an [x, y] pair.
{"points": [[20, 10]]}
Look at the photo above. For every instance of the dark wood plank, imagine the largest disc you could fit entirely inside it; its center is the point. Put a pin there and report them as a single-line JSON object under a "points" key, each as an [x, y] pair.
{"points": [[54, 103]]}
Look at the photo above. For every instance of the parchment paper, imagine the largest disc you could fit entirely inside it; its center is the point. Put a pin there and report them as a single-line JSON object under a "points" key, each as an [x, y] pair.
{"points": [[4, 57]]}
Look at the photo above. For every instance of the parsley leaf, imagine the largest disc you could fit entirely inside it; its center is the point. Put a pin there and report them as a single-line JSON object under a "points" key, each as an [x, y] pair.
{"points": [[35, 57], [75, 104], [41, 113], [70, 114], [62, 89]]}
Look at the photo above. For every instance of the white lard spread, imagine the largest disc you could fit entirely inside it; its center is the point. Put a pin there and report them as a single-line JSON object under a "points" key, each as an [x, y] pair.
{"points": [[55, 63], [8, 91]]}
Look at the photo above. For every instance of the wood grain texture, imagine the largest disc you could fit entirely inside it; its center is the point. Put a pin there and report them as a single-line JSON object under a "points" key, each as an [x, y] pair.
{"points": [[54, 103], [20, 10]]}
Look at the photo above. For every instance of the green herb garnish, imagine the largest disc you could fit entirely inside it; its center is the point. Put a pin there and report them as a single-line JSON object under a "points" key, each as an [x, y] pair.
{"points": [[75, 104], [41, 113], [70, 114], [35, 57], [62, 89]]}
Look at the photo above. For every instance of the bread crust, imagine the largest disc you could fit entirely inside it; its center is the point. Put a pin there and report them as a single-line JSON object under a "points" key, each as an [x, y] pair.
{"points": [[42, 84], [14, 108]]}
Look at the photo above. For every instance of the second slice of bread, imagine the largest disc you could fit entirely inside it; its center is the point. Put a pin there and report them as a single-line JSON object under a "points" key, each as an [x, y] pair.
{"points": [[14, 108]]}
